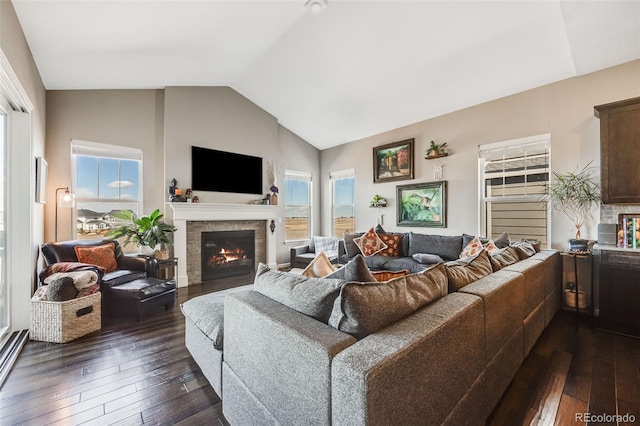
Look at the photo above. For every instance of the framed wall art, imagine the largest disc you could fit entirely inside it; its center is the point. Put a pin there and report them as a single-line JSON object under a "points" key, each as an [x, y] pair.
{"points": [[393, 161], [422, 204], [41, 180]]}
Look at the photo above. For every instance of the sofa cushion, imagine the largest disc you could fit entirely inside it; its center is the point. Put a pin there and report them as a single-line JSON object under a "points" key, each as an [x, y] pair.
{"points": [[355, 270], [427, 258], [364, 308], [445, 246], [311, 296], [103, 255], [370, 243], [503, 258], [349, 244], [319, 266], [393, 243], [465, 271]]}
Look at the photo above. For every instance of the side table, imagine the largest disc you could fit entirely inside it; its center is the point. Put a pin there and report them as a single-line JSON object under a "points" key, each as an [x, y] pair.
{"points": [[577, 282], [167, 265]]}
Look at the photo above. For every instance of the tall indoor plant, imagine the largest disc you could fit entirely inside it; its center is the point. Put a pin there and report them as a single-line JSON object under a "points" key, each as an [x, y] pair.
{"points": [[144, 231], [574, 194]]}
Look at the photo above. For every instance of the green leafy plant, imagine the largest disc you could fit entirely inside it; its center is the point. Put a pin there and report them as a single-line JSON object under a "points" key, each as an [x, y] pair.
{"points": [[378, 201], [574, 194], [437, 149], [142, 231]]}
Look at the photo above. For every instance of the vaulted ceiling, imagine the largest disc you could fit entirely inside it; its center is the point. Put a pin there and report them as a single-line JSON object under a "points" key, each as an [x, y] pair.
{"points": [[356, 69]]}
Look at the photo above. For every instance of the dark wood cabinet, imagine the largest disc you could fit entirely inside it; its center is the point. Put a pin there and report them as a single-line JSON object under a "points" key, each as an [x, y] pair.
{"points": [[619, 291], [619, 142]]}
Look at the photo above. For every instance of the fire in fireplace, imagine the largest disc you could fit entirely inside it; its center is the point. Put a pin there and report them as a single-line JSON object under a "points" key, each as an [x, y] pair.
{"points": [[227, 254]]}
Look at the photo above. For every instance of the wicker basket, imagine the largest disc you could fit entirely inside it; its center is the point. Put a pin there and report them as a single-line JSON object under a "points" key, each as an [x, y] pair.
{"points": [[62, 322], [570, 299]]}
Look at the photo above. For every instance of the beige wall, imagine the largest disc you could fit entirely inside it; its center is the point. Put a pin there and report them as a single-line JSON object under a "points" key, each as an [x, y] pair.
{"points": [[563, 109], [130, 118]]}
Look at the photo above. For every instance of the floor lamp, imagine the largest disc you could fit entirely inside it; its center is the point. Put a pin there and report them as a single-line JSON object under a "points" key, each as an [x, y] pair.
{"points": [[66, 200]]}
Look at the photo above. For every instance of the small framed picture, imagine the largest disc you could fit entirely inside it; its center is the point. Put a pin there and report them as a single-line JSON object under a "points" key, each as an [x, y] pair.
{"points": [[422, 204], [393, 161]]}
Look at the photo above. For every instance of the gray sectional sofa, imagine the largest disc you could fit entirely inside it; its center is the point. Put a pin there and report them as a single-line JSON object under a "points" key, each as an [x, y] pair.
{"points": [[288, 355]]}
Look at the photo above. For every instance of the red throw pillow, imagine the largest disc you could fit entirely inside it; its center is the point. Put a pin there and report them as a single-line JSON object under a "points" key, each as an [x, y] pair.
{"points": [[393, 245], [103, 255]]}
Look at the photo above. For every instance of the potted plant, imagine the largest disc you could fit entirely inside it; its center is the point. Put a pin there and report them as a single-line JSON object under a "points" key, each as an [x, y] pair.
{"points": [[378, 201], [144, 231], [437, 150], [574, 194]]}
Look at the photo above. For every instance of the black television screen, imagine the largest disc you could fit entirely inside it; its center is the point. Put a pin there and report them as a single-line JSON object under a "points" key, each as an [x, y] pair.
{"points": [[221, 171]]}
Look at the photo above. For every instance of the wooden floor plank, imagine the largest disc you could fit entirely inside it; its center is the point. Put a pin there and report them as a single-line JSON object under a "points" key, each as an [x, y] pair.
{"points": [[570, 412], [545, 403]]}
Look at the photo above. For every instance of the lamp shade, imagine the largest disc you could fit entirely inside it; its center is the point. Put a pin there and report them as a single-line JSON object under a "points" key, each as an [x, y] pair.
{"points": [[66, 199]]}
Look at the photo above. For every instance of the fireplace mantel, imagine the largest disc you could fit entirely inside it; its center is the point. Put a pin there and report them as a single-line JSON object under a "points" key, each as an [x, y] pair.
{"points": [[181, 213]]}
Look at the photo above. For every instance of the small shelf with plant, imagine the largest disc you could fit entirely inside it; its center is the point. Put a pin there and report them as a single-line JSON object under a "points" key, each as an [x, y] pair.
{"points": [[378, 201], [436, 150]]}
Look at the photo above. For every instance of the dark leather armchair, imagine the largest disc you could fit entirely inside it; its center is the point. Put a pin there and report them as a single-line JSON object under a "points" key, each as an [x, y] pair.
{"points": [[130, 267]]}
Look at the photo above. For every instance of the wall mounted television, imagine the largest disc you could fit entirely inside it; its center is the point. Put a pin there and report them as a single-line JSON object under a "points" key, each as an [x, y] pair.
{"points": [[221, 171]]}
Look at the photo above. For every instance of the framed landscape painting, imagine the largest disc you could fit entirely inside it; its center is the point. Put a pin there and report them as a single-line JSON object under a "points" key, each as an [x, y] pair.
{"points": [[422, 204], [393, 161]]}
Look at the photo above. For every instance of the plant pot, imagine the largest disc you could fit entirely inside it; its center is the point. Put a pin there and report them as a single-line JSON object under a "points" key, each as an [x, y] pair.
{"points": [[580, 244], [147, 251]]}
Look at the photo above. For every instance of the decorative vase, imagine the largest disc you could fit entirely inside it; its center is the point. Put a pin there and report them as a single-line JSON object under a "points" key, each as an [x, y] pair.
{"points": [[147, 251], [274, 199]]}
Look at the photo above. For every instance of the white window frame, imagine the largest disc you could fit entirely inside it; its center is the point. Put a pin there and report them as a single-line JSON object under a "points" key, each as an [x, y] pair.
{"points": [[303, 176], [333, 176], [483, 199], [102, 150]]}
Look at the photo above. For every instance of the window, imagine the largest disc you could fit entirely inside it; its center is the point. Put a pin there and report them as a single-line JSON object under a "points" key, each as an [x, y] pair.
{"points": [[297, 203], [107, 178], [515, 176], [343, 207]]}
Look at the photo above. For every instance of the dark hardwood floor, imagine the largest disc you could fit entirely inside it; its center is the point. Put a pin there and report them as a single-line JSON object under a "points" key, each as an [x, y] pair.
{"points": [[132, 373]]}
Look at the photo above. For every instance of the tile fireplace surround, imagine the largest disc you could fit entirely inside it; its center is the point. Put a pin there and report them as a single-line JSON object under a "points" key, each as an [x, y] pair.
{"points": [[181, 214]]}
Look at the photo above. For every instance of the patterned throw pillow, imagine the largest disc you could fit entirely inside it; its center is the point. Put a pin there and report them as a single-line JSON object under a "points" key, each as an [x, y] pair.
{"points": [[103, 255], [393, 243], [370, 243], [491, 247], [382, 276], [474, 247], [319, 267]]}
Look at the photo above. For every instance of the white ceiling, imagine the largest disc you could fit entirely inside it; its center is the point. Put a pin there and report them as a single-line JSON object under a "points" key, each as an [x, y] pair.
{"points": [[356, 69]]}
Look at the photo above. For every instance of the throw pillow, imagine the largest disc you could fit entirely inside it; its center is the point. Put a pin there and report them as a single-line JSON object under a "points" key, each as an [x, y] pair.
{"points": [[472, 248], [465, 271], [364, 308], [355, 270], [103, 255], [491, 247], [503, 258], [393, 243], [349, 244], [329, 245], [382, 276], [524, 248], [61, 289], [370, 243], [427, 258], [310, 296], [502, 240], [319, 266]]}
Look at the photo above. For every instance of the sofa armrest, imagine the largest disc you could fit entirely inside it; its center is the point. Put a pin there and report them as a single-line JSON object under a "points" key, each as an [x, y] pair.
{"points": [[414, 371], [281, 356], [138, 262], [296, 251]]}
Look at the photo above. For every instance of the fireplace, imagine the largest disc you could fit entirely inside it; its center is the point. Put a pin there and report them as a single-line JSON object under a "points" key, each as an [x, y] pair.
{"points": [[227, 254]]}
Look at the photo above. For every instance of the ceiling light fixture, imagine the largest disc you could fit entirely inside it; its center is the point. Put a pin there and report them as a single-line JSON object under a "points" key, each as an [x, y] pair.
{"points": [[316, 6]]}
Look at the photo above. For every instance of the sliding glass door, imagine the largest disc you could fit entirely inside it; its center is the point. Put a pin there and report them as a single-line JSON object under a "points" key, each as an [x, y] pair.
{"points": [[4, 301]]}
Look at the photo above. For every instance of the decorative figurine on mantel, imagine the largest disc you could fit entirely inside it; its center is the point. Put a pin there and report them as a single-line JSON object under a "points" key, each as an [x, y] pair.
{"points": [[175, 192]]}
